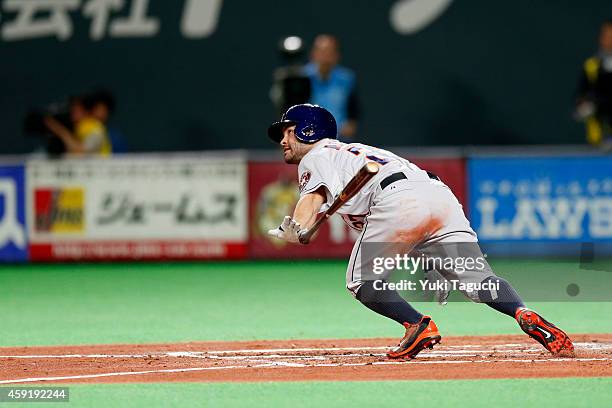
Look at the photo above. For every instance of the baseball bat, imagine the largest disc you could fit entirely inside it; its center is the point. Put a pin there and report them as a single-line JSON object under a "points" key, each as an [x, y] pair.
{"points": [[360, 179]]}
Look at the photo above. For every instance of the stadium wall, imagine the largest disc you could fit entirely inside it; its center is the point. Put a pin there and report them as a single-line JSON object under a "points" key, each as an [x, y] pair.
{"points": [[219, 206]]}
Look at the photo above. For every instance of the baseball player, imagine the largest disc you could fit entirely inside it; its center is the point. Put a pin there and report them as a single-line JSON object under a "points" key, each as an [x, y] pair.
{"points": [[401, 204]]}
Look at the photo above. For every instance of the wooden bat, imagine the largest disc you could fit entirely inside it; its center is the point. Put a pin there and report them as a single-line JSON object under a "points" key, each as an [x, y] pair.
{"points": [[360, 179]]}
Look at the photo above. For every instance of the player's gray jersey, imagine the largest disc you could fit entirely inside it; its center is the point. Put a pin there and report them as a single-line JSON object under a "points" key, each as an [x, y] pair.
{"points": [[332, 164]]}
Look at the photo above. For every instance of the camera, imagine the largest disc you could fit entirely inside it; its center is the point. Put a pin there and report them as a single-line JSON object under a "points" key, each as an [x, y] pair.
{"points": [[291, 86], [34, 126]]}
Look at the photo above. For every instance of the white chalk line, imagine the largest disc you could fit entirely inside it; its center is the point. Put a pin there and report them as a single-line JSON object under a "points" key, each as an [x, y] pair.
{"points": [[239, 351], [440, 351], [430, 354], [204, 355], [296, 365], [326, 349]]}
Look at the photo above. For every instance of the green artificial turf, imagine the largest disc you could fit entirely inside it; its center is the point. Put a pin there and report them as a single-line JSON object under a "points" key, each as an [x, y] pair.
{"points": [[511, 393], [146, 302]]}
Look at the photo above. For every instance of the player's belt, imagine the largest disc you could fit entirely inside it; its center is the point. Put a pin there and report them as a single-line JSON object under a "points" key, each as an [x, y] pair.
{"points": [[401, 176]]}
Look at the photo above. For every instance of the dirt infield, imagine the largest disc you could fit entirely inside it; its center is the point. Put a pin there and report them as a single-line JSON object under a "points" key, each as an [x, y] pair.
{"points": [[299, 360]]}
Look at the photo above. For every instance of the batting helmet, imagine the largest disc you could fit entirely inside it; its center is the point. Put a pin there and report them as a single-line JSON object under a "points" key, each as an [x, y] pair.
{"points": [[312, 123]]}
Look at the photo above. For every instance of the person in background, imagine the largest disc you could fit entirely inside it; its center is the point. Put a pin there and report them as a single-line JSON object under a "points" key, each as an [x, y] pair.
{"points": [[103, 107], [89, 135], [333, 86], [594, 94]]}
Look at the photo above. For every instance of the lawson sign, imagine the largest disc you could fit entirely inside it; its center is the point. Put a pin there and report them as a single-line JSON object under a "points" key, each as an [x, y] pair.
{"points": [[546, 200]]}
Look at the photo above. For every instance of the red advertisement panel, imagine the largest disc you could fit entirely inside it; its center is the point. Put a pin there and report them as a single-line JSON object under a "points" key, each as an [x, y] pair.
{"points": [[273, 192]]}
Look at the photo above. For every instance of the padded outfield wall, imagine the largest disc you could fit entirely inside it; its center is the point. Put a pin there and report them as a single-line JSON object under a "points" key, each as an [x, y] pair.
{"points": [[219, 206]]}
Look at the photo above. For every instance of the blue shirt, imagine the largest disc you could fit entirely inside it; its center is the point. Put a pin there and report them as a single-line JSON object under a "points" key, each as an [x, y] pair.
{"points": [[332, 94]]}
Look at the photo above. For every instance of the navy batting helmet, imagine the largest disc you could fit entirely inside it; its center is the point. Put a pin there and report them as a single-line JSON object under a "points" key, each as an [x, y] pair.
{"points": [[312, 123]]}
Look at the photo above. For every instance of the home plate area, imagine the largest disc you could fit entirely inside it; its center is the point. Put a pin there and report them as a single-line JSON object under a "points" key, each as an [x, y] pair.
{"points": [[303, 360]]}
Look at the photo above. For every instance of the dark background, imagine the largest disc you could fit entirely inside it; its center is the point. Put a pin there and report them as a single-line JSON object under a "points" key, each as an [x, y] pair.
{"points": [[485, 72]]}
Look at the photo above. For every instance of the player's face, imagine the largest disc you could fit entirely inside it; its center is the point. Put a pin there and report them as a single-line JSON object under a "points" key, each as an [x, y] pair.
{"points": [[293, 150]]}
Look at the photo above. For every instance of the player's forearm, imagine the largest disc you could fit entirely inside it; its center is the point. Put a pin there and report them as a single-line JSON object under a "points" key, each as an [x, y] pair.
{"points": [[307, 208]]}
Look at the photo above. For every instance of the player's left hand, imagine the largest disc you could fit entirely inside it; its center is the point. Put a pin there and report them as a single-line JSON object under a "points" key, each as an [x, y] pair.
{"points": [[289, 230]]}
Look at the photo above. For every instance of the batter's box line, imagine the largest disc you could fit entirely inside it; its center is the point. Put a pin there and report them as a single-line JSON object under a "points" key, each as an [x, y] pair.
{"points": [[219, 353], [279, 365], [266, 357]]}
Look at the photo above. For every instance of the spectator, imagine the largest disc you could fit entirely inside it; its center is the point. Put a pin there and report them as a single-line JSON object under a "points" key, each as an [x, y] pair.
{"points": [[594, 95], [333, 86], [103, 108], [89, 136]]}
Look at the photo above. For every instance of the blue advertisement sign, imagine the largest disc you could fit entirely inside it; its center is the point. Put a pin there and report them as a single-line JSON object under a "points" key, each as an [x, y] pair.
{"points": [[13, 235], [545, 200]]}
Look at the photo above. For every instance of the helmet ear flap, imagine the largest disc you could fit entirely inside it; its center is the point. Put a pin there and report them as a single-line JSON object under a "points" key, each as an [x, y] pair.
{"points": [[306, 132]]}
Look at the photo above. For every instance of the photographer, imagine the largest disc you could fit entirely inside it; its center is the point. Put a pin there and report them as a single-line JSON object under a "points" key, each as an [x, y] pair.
{"points": [[333, 86], [89, 135]]}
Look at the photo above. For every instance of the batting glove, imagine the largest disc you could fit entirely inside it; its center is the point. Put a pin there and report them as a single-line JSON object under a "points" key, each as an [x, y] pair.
{"points": [[441, 295], [289, 230]]}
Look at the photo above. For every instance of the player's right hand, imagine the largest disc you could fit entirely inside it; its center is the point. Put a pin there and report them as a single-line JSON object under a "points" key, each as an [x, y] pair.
{"points": [[289, 230]]}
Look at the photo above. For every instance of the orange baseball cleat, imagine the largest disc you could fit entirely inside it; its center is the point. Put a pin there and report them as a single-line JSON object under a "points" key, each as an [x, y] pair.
{"points": [[547, 334], [419, 336]]}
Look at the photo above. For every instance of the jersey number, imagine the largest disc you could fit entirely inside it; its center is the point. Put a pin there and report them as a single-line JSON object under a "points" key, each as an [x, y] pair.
{"points": [[357, 151], [356, 221]]}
